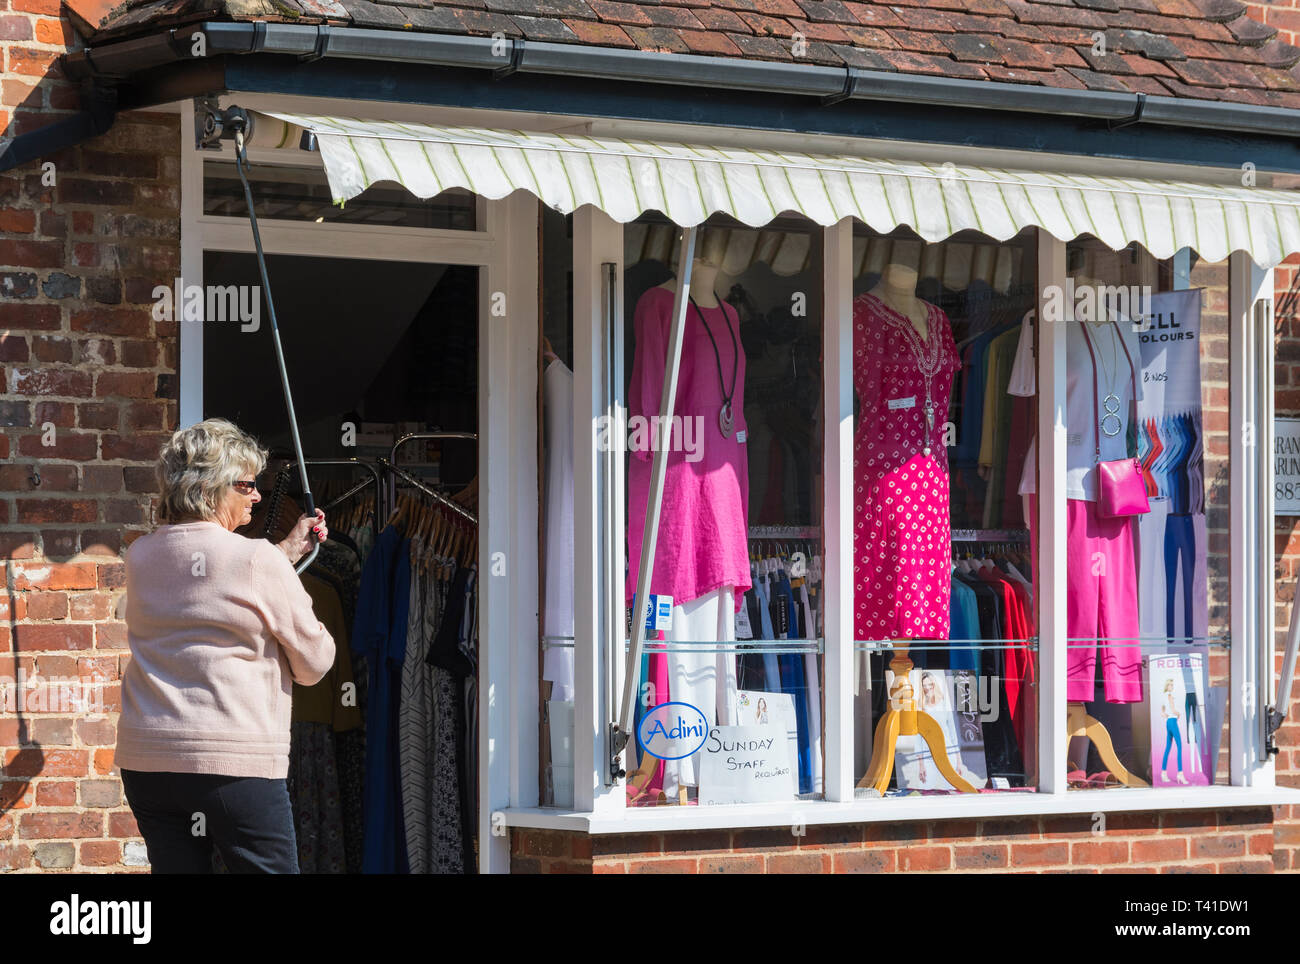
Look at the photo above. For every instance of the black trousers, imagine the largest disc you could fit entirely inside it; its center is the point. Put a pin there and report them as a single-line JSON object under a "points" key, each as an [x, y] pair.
{"points": [[183, 816]]}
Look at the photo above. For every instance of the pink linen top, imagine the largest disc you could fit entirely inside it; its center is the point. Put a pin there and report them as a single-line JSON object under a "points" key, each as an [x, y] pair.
{"points": [[703, 540]]}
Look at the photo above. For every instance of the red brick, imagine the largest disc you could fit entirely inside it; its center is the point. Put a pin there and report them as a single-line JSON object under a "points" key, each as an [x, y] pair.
{"points": [[731, 864], [18, 317], [62, 414], [99, 415], [46, 763], [55, 575], [79, 446], [1219, 845], [112, 575], [662, 866], [56, 793], [924, 858], [17, 794], [128, 384], [14, 857], [133, 448], [802, 863], [1099, 852], [1159, 851], [980, 857], [31, 254], [882, 861], [32, 638], [122, 824], [124, 322], [17, 221], [38, 826], [104, 763], [100, 853], [56, 510], [1039, 854], [51, 381], [47, 605]]}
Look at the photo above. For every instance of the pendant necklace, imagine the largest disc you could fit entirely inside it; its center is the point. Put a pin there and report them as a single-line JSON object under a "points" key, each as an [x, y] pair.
{"points": [[1111, 404], [726, 418], [929, 359]]}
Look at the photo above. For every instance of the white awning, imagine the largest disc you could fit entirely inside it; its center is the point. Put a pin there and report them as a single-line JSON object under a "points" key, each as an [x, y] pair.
{"points": [[689, 182]]}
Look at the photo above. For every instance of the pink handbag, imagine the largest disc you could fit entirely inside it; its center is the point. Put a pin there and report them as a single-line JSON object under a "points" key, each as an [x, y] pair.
{"points": [[1121, 490]]}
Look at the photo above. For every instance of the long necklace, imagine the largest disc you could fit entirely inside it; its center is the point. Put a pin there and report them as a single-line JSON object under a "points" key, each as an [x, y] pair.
{"points": [[726, 418], [928, 355], [1112, 403]]}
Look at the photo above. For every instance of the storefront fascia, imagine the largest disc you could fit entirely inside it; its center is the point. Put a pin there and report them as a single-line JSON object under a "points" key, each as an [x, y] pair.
{"points": [[505, 246]]}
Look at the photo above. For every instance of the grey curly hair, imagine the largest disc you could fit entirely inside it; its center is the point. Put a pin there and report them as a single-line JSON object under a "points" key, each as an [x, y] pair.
{"points": [[198, 463]]}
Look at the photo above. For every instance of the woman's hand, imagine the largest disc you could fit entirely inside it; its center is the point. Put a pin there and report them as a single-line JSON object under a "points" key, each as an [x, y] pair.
{"points": [[302, 537]]}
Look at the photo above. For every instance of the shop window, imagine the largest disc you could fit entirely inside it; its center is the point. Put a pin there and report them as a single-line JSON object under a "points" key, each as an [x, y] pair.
{"points": [[945, 633], [302, 193], [1147, 514], [729, 689]]}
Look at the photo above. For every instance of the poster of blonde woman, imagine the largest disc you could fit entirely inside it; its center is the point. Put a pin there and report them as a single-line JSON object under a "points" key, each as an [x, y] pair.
{"points": [[948, 697], [1180, 752]]}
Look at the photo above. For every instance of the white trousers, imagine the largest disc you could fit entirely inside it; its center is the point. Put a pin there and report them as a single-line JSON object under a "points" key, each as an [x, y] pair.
{"points": [[700, 675]]}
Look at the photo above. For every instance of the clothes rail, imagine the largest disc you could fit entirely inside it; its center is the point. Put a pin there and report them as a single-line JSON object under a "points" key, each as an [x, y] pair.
{"points": [[416, 483], [366, 464]]}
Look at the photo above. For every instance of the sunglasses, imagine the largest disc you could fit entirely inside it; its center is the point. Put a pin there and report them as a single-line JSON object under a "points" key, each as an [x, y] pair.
{"points": [[246, 487]]}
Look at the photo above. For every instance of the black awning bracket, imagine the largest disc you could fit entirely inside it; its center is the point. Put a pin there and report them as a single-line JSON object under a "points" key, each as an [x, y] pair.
{"points": [[1138, 108], [516, 57], [851, 78]]}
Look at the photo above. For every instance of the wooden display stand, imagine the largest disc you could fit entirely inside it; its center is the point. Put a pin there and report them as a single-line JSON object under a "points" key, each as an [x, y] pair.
{"points": [[1079, 723], [904, 719]]}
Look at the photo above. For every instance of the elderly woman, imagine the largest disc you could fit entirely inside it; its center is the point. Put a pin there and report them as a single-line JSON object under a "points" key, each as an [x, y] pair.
{"points": [[219, 628]]}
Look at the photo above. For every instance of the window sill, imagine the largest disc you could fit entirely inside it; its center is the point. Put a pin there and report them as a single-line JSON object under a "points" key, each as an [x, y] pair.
{"points": [[659, 819]]}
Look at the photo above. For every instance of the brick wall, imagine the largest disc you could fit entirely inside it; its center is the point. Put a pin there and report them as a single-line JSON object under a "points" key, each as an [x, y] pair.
{"points": [[1198, 841], [89, 389], [1282, 14]]}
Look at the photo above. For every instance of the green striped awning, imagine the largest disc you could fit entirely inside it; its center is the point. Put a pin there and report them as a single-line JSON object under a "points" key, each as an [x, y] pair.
{"points": [[626, 177]]}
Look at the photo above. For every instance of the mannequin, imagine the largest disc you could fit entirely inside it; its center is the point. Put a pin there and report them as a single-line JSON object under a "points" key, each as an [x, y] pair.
{"points": [[1101, 600], [904, 362], [702, 552]]}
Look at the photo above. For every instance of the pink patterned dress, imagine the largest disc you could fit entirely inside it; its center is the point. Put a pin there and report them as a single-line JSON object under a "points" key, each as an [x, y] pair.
{"points": [[902, 534]]}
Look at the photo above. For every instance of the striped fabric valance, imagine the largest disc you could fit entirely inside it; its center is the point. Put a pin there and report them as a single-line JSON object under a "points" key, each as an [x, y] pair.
{"points": [[689, 182]]}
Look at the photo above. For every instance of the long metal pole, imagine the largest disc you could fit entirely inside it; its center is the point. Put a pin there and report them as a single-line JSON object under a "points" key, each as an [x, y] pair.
{"points": [[659, 466], [241, 161]]}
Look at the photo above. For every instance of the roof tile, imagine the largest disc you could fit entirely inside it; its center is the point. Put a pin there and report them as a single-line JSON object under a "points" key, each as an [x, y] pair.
{"points": [[777, 8], [1017, 53], [543, 8], [544, 29], [1279, 53], [674, 17], [1055, 33], [873, 16], [767, 26], [860, 58], [1110, 6], [613, 12], [709, 42], [604, 34], [1220, 11], [1250, 32], [869, 36], [1105, 63], [1146, 85], [827, 11], [722, 20], [974, 47], [1179, 89], [657, 39], [1152, 45], [764, 48], [1199, 72], [1040, 13], [1146, 67], [430, 18], [914, 63], [826, 32], [917, 40], [1275, 79], [1095, 81]]}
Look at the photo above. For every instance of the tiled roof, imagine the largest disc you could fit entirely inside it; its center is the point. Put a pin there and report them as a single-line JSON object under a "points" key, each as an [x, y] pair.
{"points": [[1207, 49]]}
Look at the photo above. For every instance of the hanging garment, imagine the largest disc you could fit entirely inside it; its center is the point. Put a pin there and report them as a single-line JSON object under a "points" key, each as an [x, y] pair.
{"points": [[446, 849], [700, 675], [415, 723], [380, 638], [703, 537], [1101, 604], [902, 535], [557, 659], [812, 677]]}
